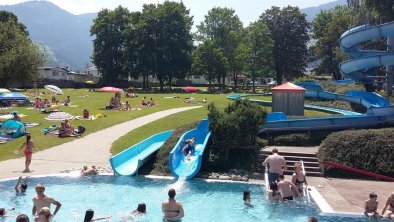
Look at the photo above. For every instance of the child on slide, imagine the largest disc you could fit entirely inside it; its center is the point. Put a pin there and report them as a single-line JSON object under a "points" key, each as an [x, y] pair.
{"points": [[189, 148]]}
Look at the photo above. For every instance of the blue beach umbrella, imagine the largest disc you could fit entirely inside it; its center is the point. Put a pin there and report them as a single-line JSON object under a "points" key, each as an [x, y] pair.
{"points": [[13, 96]]}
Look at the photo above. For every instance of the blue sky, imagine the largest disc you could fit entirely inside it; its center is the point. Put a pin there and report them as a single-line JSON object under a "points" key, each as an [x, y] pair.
{"points": [[247, 10]]}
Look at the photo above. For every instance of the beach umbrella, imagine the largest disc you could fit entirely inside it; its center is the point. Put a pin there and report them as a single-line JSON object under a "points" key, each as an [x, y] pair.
{"points": [[59, 116], [109, 89], [2, 90], [54, 89], [89, 82], [190, 89], [13, 96]]}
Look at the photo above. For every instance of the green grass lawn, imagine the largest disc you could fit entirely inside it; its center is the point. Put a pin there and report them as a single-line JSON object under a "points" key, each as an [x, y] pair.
{"points": [[96, 102]]}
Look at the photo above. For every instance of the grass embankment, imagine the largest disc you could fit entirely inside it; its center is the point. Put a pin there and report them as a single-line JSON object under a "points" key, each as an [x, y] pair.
{"points": [[177, 120], [95, 102], [181, 122]]}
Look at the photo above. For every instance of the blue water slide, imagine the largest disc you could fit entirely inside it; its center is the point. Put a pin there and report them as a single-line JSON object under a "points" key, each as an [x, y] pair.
{"points": [[179, 165], [362, 60], [127, 162], [367, 99], [379, 112]]}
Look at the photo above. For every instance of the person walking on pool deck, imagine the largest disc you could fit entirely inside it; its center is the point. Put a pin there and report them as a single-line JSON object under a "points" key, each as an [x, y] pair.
{"points": [[29, 146], [172, 209], [277, 165], [42, 200]]}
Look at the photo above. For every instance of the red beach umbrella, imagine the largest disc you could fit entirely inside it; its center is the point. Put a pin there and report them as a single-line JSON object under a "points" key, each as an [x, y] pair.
{"points": [[110, 89], [190, 89]]}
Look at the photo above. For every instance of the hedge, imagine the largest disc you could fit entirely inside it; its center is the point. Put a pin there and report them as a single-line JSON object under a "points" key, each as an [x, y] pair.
{"points": [[369, 150], [298, 139]]}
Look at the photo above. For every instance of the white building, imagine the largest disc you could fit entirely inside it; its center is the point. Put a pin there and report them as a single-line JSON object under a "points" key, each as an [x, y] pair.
{"points": [[54, 73]]}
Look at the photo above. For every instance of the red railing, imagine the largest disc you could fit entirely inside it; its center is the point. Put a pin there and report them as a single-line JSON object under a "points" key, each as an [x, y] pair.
{"points": [[354, 170]]}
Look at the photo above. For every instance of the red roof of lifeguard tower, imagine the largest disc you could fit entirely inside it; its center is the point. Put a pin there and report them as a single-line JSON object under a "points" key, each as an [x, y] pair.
{"points": [[288, 86]]}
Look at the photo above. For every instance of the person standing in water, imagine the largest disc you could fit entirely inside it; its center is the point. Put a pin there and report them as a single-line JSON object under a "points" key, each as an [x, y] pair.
{"points": [[29, 146], [172, 209]]}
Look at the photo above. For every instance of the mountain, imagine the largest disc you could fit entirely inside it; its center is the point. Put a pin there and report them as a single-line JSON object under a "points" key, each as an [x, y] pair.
{"points": [[66, 36], [311, 12]]}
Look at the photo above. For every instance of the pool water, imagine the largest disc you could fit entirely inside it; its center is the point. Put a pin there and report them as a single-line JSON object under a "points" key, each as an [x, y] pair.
{"points": [[118, 196]]}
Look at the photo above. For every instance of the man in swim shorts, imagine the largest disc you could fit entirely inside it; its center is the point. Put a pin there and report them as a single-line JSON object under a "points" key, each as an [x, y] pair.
{"points": [[287, 188], [42, 200], [276, 164], [172, 209]]}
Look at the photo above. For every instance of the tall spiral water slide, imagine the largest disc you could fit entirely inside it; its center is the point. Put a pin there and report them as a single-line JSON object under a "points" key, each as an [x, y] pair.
{"points": [[379, 111], [359, 67]]}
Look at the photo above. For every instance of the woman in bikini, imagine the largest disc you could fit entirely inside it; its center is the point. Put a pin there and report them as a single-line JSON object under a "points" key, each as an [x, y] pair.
{"points": [[29, 146], [172, 209], [298, 178], [390, 205]]}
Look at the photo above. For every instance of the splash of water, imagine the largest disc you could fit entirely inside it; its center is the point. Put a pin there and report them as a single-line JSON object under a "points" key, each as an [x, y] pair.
{"points": [[179, 185]]}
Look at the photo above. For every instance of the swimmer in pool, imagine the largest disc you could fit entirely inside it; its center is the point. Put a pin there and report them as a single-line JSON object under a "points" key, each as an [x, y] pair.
{"points": [[172, 209]]}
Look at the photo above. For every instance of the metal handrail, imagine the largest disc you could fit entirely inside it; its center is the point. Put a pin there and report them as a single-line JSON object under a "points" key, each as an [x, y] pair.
{"points": [[305, 190]]}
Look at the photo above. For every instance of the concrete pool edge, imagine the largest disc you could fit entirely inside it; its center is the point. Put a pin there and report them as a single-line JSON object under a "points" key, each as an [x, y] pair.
{"points": [[326, 209], [318, 199]]}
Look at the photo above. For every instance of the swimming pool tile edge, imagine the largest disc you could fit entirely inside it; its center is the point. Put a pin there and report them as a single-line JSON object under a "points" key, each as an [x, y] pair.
{"points": [[326, 209]]}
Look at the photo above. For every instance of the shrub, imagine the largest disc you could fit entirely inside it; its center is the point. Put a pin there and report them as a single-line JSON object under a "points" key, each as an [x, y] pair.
{"points": [[369, 150], [237, 126], [304, 79], [298, 139]]}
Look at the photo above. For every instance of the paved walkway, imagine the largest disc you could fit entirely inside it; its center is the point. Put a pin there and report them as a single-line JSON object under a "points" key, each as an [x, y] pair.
{"points": [[88, 150]]}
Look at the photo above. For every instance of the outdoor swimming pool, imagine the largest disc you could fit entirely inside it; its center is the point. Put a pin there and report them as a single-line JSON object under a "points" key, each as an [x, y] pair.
{"points": [[118, 196]]}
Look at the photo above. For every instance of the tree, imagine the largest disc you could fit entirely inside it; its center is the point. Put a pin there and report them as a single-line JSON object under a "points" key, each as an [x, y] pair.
{"points": [[223, 27], [382, 9], [6, 16], [174, 42], [160, 43], [19, 57], [108, 46], [259, 46], [289, 30], [209, 62], [328, 27], [371, 11]]}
